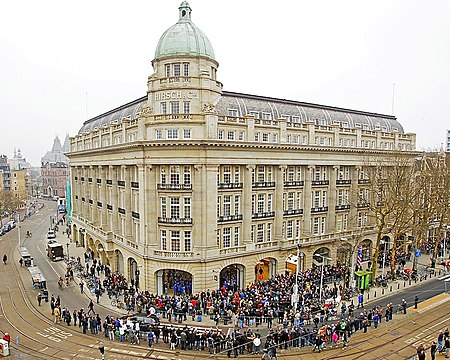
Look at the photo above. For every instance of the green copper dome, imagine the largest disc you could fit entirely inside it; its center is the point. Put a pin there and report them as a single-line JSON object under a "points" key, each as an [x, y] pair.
{"points": [[184, 38]]}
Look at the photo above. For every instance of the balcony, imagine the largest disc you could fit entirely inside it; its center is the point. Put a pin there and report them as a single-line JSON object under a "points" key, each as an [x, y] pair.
{"points": [[263, 215], [174, 186], [108, 182], [343, 182], [293, 212], [76, 177], [263, 184], [232, 250], [229, 218], [182, 221], [109, 207], [135, 215], [90, 180], [315, 210], [319, 182], [173, 254], [362, 205], [99, 181], [265, 244], [121, 211], [294, 183], [82, 178], [342, 207], [99, 204], [83, 199], [224, 186], [121, 182], [363, 181], [135, 185], [91, 201]]}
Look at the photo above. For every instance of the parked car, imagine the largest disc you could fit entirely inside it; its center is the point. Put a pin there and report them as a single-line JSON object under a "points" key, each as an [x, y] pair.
{"points": [[145, 323], [1, 231], [51, 234]]}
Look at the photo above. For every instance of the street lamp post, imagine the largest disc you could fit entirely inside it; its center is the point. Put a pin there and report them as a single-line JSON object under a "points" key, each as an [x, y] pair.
{"points": [[67, 245], [295, 288], [18, 229], [324, 258]]}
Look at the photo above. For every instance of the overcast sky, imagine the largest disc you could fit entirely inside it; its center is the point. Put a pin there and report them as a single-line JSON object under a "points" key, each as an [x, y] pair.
{"points": [[340, 53]]}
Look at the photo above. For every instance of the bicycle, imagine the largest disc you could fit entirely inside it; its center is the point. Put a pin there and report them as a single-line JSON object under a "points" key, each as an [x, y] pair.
{"points": [[118, 303]]}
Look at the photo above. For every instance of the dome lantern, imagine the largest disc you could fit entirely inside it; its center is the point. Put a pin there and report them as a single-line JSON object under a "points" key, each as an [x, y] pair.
{"points": [[184, 38]]}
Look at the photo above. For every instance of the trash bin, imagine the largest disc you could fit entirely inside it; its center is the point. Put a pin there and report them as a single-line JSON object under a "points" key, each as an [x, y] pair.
{"points": [[4, 348]]}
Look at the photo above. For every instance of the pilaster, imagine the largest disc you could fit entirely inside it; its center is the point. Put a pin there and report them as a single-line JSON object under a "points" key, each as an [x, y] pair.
{"points": [[279, 189], [247, 204]]}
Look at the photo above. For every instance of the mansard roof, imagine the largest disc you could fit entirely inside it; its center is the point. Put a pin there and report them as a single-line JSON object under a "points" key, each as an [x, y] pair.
{"points": [[245, 104]]}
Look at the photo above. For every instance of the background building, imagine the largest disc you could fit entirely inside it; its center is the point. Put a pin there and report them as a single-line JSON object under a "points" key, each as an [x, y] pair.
{"points": [[55, 170], [196, 185], [448, 140]]}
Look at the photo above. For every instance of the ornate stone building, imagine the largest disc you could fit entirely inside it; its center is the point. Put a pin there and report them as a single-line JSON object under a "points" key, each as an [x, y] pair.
{"points": [[197, 183], [55, 170]]}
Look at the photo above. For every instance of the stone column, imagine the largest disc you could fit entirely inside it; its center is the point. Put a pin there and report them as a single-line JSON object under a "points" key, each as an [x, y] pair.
{"points": [[279, 189], [247, 204], [197, 208], [84, 193], [93, 194], [331, 201], [114, 199], [141, 203], [128, 219], [307, 201], [210, 205], [103, 199]]}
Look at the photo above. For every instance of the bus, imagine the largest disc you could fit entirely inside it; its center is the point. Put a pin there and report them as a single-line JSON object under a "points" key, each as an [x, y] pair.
{"points": [[61, 205], [55, 251]]}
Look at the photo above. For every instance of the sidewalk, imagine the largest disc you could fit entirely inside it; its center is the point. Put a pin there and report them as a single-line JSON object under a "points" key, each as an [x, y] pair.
{"points": [[370, 296]]}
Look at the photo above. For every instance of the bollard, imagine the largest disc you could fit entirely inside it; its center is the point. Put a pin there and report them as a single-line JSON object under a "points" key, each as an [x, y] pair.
{"points": [[404, 283], [398, 286], [382, 291], [368, 295], [391, 288], [415, 280], [409, 281], [375, 294]]}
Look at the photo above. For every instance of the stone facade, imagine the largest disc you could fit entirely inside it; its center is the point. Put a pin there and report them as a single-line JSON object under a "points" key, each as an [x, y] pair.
{"points": [[195, 182]]}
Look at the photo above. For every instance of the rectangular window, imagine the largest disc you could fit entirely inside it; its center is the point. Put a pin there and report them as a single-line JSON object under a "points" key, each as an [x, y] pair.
{"points": [[297, 229], [253, 203], [164, 240], [322, 225], [175, 208], [163, 108], [289, 229], [226, 237], [188, 240], [290, 202], [187, 133], [172, 133], [219, 200], [237, 204], [187, 175], [167, 70], [227, 205], [158, 134], [175, 240], [316, 200], [260, 203], [163, 207], [175, 107], [185, 69], [324, 198], [274, 138], [241, 136], [187, 208], [260, 234], [269, 202], [174, 175], [315, 229], [236, 236], [252, 233], [269, 232], [299, 200], [162, 174], [265, 137], [176, 70], [186, 107], [261, 174], [237, 174], [266, 116], [221, 134], [227, 174], [231, 135], [232, 112]]}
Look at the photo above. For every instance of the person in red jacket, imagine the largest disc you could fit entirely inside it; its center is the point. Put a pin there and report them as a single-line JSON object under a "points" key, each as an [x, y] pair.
{"points": [[7, 338]]}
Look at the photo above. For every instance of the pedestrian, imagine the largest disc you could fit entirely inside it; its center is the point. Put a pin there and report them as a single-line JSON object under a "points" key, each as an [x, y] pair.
{"points": [[360, 300], [5, 259], [433, 350], [81, 286], [447, 346], [150, 336], [21, 261], [421, 352], [416, 301], [39, 299], [404, 306], [91, 307], [7, 338]]}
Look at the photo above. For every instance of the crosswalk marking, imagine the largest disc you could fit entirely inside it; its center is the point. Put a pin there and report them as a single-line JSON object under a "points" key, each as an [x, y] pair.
{"points": [[444, 277]]}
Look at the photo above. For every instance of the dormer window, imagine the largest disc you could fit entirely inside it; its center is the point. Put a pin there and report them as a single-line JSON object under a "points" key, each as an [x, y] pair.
{"points": [[232, 112]]}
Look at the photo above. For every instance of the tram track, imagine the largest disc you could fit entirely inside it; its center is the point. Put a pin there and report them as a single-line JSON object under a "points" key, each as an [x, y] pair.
{"points": [[54, 333]]}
